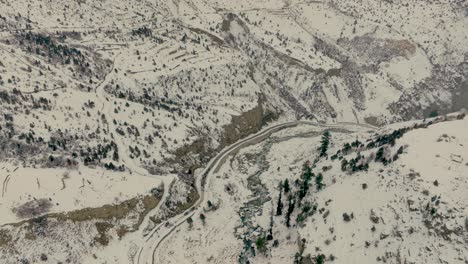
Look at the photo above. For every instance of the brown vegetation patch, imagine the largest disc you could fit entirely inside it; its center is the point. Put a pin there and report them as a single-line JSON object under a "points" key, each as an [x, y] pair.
{"points": [[460, 97], [33, 208], [243, 125], [106, 219], [5, 238], [140, 205], [373, 120], [122, 230], [102, 228], [111, 212], [334, 72], [401, 45]]}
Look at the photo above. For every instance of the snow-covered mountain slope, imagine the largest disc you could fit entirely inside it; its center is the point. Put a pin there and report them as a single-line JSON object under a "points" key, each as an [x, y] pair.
{"points": [[170, 76], [108, 107], [403, 201]]}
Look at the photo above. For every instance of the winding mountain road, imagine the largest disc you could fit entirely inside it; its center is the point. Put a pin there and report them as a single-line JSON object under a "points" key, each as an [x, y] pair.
{"points": [[147, 253]]}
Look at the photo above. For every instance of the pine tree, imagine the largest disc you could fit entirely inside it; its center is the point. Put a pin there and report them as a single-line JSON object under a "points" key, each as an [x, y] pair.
{"points": [[379, 155], [190, 222], [290, 210], [324, 143], [286, 186], [203, 217], [115, 155], [320, 259], [318, 181], [261, 244], [344, 164], [306, 177], [279, 209]]}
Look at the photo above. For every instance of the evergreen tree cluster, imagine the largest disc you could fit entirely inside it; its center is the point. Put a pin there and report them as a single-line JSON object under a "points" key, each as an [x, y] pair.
{"points": [[46, 46], [307, 210], [295, 198], [357, 164], [379, 142], [151, 100], [388, 139], [284, 187], [9, 98], [354, 164], [92, 155], [306, 177], [142, 31]]}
